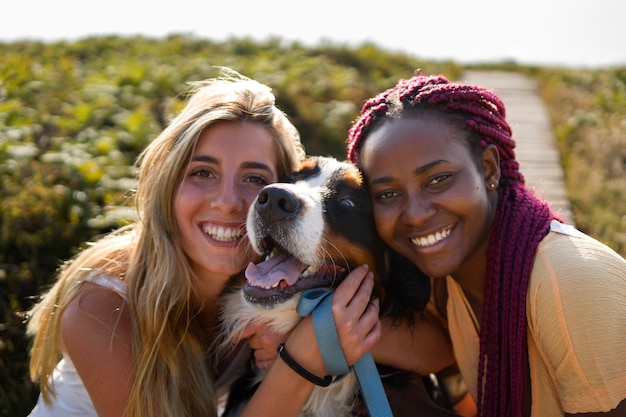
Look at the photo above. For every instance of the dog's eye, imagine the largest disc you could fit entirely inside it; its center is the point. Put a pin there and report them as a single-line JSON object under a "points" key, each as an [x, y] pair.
{"points": [[348, 202]]}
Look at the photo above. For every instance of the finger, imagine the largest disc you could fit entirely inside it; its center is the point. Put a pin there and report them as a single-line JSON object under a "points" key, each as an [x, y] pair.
{"points": [[350, 285], [358, 303], [365, 335], [264, 354], [373, 336], [363, 296], [369, 319], [248, 331], [264, 365], [267, 339]]}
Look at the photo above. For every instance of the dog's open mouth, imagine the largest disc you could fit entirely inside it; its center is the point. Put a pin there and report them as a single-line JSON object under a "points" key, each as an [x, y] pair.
{"points": [[281, 275]]}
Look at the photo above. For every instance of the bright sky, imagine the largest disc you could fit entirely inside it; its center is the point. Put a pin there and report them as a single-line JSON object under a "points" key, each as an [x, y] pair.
{"points": [[544, 32]]}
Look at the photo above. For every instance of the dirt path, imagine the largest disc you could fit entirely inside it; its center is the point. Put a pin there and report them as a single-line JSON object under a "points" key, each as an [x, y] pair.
{"points": [[536, 146]]}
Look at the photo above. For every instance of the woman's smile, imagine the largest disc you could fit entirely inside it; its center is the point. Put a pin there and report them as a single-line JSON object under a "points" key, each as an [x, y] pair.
{"points": [[224, 234], [432, 238]]}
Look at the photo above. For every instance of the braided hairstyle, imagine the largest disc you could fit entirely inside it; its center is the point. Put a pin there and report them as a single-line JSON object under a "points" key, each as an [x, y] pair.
{"points": [[521, 221]]}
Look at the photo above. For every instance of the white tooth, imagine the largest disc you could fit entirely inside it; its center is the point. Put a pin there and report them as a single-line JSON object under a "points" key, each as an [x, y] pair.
{"points": [[223, 234], [431, 239]]}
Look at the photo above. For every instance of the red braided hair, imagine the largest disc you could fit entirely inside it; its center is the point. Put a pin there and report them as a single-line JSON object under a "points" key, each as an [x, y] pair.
{"points": [[521, 221]]}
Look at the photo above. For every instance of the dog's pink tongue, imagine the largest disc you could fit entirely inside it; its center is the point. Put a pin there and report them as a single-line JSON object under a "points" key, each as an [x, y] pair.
{"points": [[279, 267]]}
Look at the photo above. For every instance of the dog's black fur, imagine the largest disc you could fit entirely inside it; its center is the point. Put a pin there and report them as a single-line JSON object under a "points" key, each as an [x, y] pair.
{"points": [[319, 220]]}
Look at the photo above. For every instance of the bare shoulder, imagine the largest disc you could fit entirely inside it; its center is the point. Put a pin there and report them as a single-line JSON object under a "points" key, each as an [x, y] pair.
{"points": [[95, 311], [96, 337]]}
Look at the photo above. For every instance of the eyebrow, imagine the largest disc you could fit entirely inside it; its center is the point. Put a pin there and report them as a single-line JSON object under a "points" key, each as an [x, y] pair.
{"points": [[205, 158], [419, 170], [247, 165], [428, 166]]}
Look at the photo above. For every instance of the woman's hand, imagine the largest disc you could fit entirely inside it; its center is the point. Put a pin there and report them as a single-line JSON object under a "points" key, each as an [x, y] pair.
{"points": [[356, 319], [356, 314], [264, 342]]}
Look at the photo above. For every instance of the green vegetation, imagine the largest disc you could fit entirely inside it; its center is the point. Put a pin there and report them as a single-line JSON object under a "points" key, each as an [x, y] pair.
{"points": [[74, 115], [588, 113]]}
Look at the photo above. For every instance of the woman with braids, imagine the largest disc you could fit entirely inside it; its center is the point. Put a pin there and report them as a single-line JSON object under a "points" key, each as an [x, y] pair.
{"points": [[536, 310], [127, 328]]}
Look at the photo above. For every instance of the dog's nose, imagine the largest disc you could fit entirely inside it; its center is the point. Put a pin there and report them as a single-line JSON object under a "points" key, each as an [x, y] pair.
{"points": [[274, 204]]}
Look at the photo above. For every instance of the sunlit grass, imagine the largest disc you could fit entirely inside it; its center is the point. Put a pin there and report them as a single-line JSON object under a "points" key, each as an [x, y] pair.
{"points": [[588, 113]]}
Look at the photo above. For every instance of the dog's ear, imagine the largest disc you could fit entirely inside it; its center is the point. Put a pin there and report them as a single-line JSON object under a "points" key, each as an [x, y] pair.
{"points": [[407, 289]]}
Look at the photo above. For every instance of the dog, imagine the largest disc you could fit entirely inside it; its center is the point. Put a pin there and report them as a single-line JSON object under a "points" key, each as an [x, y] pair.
{"points": [[313, 228]]}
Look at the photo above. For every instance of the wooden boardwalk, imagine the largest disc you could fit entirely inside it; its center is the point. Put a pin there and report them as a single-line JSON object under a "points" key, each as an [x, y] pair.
{"points": [[536, 148]]}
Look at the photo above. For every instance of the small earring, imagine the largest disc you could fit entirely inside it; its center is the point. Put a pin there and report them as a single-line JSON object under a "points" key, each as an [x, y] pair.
{"points": [[492, 186]]}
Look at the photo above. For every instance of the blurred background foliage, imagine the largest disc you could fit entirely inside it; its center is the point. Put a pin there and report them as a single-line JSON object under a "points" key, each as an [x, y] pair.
{"points": [[588, 113], [74, 116]]}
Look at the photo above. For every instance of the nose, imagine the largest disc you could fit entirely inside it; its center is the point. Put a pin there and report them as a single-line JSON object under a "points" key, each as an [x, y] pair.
{"points": [[277, 203], [230, 198], [418, 210]]}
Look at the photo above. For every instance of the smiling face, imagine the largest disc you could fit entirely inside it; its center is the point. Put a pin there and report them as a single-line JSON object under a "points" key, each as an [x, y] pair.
{"points": [[431, 198], [232, 162]]}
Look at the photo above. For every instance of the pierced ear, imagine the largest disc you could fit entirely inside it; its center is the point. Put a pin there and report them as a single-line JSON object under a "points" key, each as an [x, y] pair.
{"points": [[491, 166]]}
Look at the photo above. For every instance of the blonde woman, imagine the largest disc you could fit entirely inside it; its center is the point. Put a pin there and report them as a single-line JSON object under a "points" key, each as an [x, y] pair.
{"points": [[127, 327]]}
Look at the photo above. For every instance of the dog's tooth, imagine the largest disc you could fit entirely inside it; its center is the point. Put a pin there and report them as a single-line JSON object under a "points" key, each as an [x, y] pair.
{"points": [[309, 270]]}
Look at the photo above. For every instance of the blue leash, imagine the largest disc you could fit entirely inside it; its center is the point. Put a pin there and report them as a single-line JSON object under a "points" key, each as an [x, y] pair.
{"points": [[318, 301]]}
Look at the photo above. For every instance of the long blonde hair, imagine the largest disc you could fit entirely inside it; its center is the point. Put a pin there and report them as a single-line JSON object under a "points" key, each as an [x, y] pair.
{"points": [[172, 376]]}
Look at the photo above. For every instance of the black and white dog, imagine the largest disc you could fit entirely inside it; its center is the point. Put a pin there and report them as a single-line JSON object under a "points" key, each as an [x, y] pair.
{"points": [[313, 228]]}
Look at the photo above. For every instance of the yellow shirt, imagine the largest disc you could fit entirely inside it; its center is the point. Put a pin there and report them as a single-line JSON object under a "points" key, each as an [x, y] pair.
{"points": [[576, 313]]}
